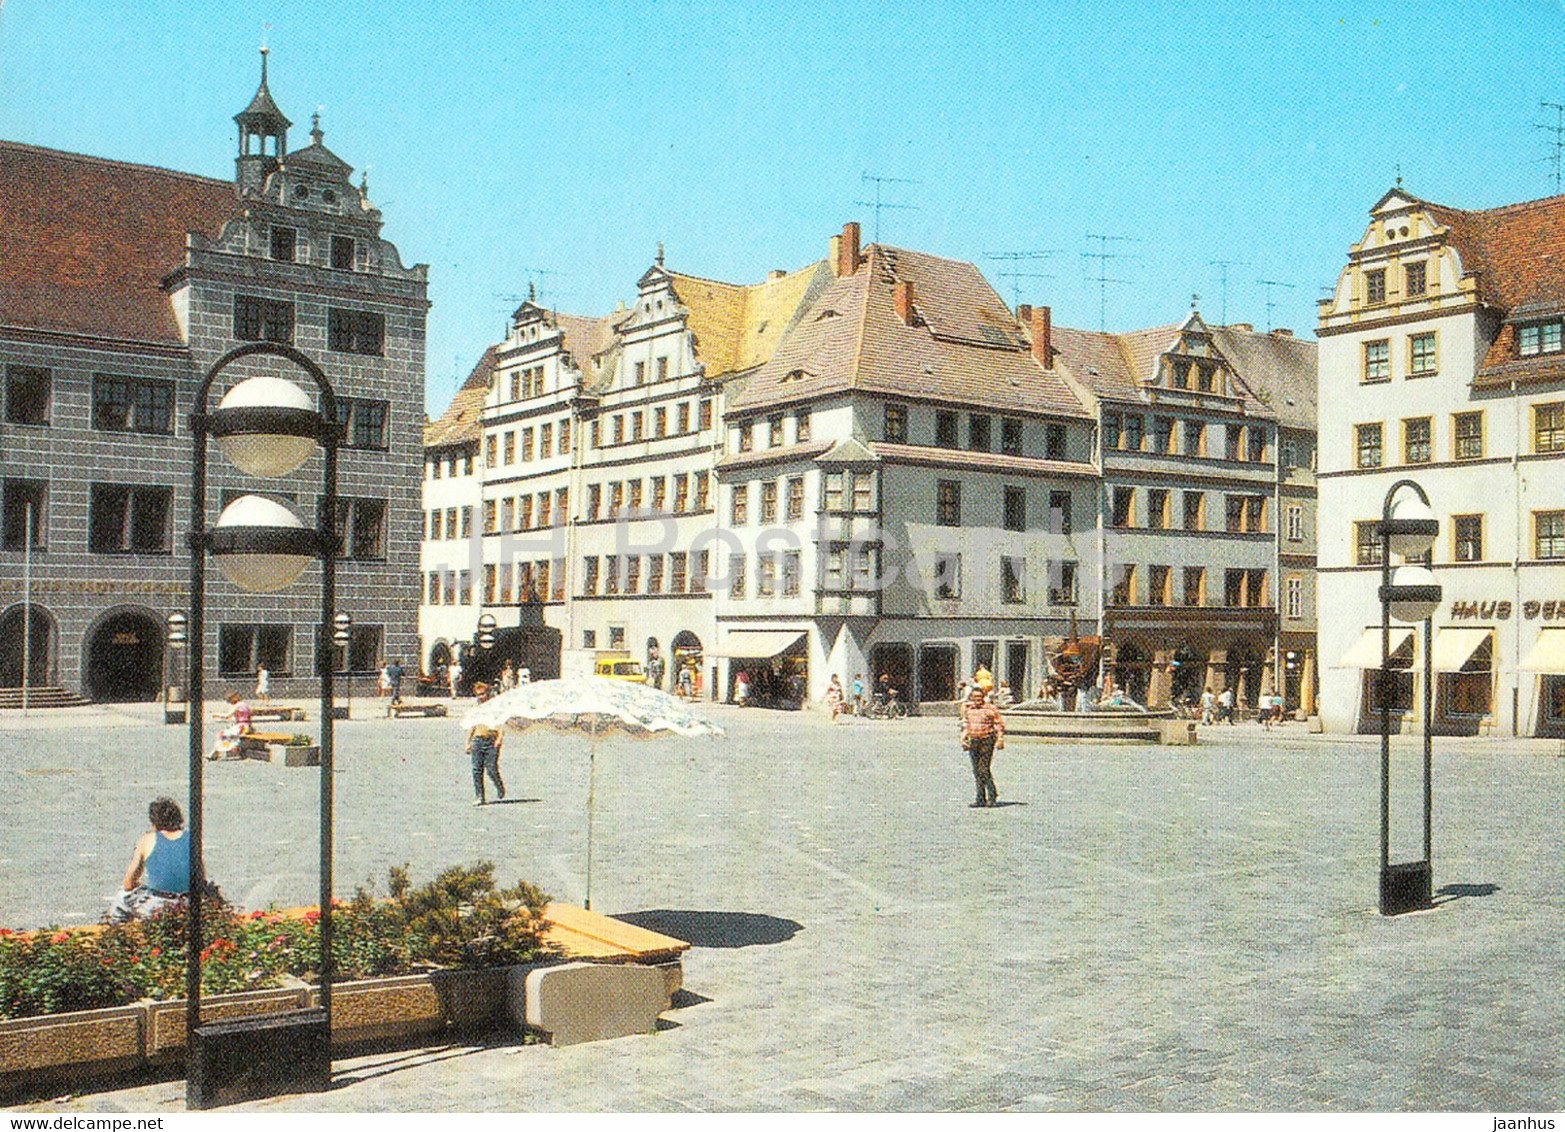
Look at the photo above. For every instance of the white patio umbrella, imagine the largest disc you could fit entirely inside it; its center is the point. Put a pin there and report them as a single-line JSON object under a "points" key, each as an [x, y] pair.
{"points": [[593, 705]]}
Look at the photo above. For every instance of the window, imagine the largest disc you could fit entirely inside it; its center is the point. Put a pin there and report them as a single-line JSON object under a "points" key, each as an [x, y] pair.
{"points": [[1062, 583], [774, 431], [363, 422], [1467, 532], [356, 332], [654, 573], [510, 447], [1123, 507], [746, 431], [1195, 585], [1549, 534], [1060, 512], [1054, 441], [738, 505], [1123, 589], [519, 517], [801, 426], [467, 521], [1294, 520], [765, 575], [706, 414], [451, 522], [682, 493], [596, 440], [1467, 434], [361, 528], [616, 498], [589, 574], [894, 423], [1235, 513], [562, 499], [633, 496], [1181, 374], [1421, 360], [125, 519], [1416, 278], [545, 440], [1195, 511], [589, 638], [1111, 430], [1293, 590], [1163, 434], [1157, 585], [700, 570], [1548, 428], [948, 503], [1195, 438], [262, 320], [863, 487], [635, 425], [432, 592], [1375, 287], [491, 457], [491, 583], [1290, 453], [769, 501], [1204, 378], [1540, 338], [342, 248], [1366, 543], [1377, 360], [1013, 580], [491, 524], [1011, 436], [790, 573], [516, 385], [660, 421], [1015, 509], [1235, 440], [640, 373], [527, 445], [945, 428], [663, 369], [948, 575], [27, 391], [565, 436], [1134, 426], [619, 429], [285, 242], [1255, 514], [128, 404], [978, 433], [1416, 441], [1257, 443], [1157, 508], [1369, 445], [1233, 588], [736, 572], [611, 573], [241, 649], [795, 498]]}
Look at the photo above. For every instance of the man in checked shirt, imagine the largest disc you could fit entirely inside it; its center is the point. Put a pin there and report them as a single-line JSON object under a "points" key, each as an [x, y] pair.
{"points": [[983, 730]]}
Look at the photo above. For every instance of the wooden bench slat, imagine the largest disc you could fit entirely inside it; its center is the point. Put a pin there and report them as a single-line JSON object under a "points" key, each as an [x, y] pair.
{"points": [[615, 934]]}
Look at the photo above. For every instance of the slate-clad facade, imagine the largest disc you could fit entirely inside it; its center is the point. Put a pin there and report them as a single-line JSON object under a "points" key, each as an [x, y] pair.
{"points": [[119, 285]]}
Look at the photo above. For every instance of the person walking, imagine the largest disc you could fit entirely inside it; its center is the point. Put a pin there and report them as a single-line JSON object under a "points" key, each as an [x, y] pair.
{"points": [[983, 732], [394, 672], [1225, 706], [1208, 706], [834, 696], [858, 695], [655, 669], [483, 749], [454, 676], [263, 685]]}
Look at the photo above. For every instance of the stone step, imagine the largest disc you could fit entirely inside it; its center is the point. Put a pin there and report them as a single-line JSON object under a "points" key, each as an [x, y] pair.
{"points": [[45, 697]]}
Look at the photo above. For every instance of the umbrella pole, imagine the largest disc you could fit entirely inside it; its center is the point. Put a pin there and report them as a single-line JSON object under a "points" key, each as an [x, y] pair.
{"points": [[592, 787]]}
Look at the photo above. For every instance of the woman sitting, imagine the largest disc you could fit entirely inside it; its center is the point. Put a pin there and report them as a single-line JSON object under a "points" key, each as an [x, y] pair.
{"points": [[159, 873]]}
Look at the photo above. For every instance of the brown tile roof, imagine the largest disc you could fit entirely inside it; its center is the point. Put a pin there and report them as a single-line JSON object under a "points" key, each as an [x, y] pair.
{"points": [[1279, 369], [965, 345], [459, 424], [85, 242]]}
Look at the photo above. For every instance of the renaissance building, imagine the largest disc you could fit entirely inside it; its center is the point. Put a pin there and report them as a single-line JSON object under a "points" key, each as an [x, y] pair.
{"points": [[1442, 360], [119, 285]]}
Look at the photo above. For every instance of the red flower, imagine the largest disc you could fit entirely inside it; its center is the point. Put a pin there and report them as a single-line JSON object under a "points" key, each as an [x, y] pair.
{"points": [[312, 917], [156, 951], [59, 937]]}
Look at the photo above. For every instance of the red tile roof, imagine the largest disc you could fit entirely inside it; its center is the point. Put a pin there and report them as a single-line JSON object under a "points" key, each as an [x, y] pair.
{"points": [[965, 345], [85, 242]]}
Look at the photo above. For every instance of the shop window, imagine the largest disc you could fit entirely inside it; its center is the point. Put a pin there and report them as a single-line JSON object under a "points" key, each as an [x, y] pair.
{"points": [[241, 649]]}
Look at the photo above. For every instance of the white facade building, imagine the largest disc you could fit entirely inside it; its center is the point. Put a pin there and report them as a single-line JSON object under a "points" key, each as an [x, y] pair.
{"points": [[1442, 360]]}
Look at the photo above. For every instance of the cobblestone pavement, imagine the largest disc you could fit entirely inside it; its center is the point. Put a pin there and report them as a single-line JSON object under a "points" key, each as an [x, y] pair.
{"points": [[1134, 928]]}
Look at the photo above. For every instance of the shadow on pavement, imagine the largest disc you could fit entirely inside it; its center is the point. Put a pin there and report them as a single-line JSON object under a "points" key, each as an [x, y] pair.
{"points": [[1457, 891], [715, 929]]}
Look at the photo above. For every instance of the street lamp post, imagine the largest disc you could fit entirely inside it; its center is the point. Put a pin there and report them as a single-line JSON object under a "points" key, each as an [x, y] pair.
{"points": [[342, 637], [177, 639], [267, 427], [1410, 594]]}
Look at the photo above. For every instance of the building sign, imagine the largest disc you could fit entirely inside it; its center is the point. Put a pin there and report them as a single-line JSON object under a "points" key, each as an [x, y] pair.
{"points": [[1501, 610]]}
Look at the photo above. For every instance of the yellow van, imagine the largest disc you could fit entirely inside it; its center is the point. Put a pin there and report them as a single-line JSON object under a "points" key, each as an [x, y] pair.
{"points": [[620, 667]]}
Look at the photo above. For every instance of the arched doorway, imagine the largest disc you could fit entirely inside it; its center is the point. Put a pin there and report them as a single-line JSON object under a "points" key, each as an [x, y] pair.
{"points": [[937, 672], [125, 657], [896, 661], [687, 655], [39, 646]]}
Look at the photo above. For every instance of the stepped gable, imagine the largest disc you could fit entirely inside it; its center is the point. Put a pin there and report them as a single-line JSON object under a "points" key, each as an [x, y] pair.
{"points": [[85, 242], [959, 342]]}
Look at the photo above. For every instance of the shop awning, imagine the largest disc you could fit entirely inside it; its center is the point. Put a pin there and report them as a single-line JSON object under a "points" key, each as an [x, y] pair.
{"points": [[758, 644], [1547, 653], [1365, 652], [1455, 647]]}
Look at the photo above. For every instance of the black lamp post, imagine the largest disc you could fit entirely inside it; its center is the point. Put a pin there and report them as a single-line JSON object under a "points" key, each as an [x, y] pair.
{"points": [[267, 427], [342, 637], [1410, 594], [178, 638]]}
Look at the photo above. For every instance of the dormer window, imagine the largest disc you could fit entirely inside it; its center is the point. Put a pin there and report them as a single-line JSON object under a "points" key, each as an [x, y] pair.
{"points": [[284, 242], [1181, 374], [1375, 287], [342, 253], [1540, 338], [1417, 278], [1205, 378]]}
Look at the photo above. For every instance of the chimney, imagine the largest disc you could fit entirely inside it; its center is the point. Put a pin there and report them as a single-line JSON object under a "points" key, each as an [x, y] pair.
{"points": [[902, 300], [1040, 322], [1245, 326], [1282, 332], [1024, 314], [775, 273], [848, 249]]}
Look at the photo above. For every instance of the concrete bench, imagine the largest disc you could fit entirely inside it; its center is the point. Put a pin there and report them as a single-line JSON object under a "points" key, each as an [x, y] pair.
{"points": [[428, 711], [268, 714], [262, 745]]}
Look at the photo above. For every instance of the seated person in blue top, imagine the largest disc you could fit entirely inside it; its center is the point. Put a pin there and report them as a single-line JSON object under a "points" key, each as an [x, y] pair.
{"points": [[159, 873]]}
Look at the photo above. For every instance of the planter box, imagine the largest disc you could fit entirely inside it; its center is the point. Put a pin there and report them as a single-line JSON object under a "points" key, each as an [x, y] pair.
{"points": [[81, 1044], [401, 1006], [301, 756], [165, 1028]]}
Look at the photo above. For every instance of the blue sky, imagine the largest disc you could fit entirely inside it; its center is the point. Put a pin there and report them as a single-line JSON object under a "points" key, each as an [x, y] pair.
{"points": [[558, 143]]}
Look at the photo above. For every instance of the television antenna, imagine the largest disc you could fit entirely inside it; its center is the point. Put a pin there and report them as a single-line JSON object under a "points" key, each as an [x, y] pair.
{"points": [[877, 204], [1223, 265], [1102, 278], [1015, 272], [1558, 130], [1270, 303]]}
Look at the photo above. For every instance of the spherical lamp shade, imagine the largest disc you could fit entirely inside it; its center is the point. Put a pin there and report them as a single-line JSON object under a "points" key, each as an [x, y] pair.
{"points": [[1412, 527], [266, 426], [1413, 594], [260, 545]]}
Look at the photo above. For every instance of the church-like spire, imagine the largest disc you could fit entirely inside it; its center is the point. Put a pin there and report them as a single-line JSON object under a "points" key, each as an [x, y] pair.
{"points": [[263, 135]]}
